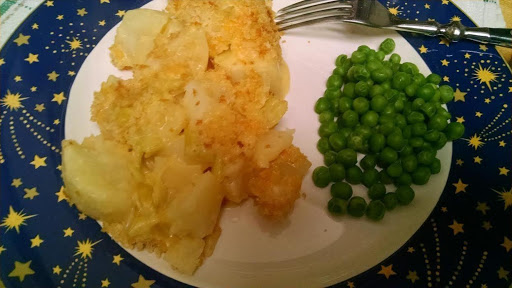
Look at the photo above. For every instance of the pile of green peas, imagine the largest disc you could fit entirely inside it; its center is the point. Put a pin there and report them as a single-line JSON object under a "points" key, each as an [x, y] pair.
{"points": [[390, 112]]}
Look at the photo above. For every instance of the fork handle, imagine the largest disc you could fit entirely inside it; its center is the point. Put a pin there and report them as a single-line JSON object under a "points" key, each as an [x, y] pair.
{"points": [[455, 31]]}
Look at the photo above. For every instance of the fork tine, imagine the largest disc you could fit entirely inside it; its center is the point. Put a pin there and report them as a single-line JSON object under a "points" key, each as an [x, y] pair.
{"points": [[301, 4], [310, 22], [333, 12], [314, 8]]}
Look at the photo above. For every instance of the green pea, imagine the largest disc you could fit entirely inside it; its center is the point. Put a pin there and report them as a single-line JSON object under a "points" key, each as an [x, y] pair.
{"points": [[444, 113], [391, 95], [337, 141], [337, 172], [395, 67], [387, 46], [363, 131], [417, 104], [386, 128], [349, 118], [377, 191], [341, 59], [360, 72], [361, 89], [370, 119], [326, 129], [365, 49], [421, 175], [344, 104], [330, 158], [437, 122], [323, 145], [334, 82], [378, 103], [409, 68], [388, 155], [321, 176], [395, 169], [345, 132], [358, 57], [337, 206], [334, 104], [395, 58], [380, 55], [370, 83], [348, 90], [341, 190], [381, 74], [356, 206], [356, 142], [454, 131], [425, 92], [395, 141], [409, 163], [410, 90], [415, 117], [419, 79], [441, 141], [418, 129], [390, 201], [434, 79], [347, 157], [332, 93], [404, 179], [386, 85], [326, 116], [376, 210], [426, 157], [354, 175], [385, 178], [400, 121], [446, 93], [373, 64], [377, 142], [399, 105], [407, 132], [435, 167], [405, 195], [416, 142], [340, 71], [431, 136], [428, 109], [322, 104], [376, 90], [370, 177], [401, 80], [368, 162], [361, 105]]}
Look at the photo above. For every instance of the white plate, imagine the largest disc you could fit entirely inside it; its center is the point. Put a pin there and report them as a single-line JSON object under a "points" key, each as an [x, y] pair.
{"points": [[311, 249]]}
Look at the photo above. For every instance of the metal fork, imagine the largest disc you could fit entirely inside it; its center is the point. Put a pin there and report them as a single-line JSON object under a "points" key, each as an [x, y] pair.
{"points": [[373, 14]]}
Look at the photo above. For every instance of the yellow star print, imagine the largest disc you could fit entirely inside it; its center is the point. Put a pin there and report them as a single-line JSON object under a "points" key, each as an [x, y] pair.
{"points": [[21, 270], [36, 241], [56, 270], [39, 107], [455, 18], [460, 186], [48, 3], [82, 216], [413, 276], [120, 13], [68, 232], [2, 61], [32, 58], [460, 119], [445, 42], [81, 12], [446, 79], [483, 48], [117, 259], [104, 1], [507, 244], [2, 249], [143, 283], [445, 62], [35, 26], [33, 89], [502, 143], [482, 207], [22, 39], [487, 100], [467, 55], [102, 23], [59, 98], [503, 171], [38, 161], [60, 17], [52, 76], [105, 283], [445, 2], [61, 195], [14, 220], [426, 7], [478, 114], [386, 270], [423, 49], [459, 162], [56, 122], [16, 182], [456, 227], [477, 159], [71, 73], [487, 225], [459, 95], [17, 78], [410, 250], [351, 284], [502, 274], [30, 193]]}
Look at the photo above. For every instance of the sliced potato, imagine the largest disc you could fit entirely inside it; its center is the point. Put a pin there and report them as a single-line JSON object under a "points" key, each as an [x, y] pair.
{"points": [[270, 145]]}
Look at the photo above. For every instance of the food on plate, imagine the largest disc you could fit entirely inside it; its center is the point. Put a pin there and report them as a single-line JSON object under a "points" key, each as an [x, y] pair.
{"points": [[192, 130], [394, 115]]}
